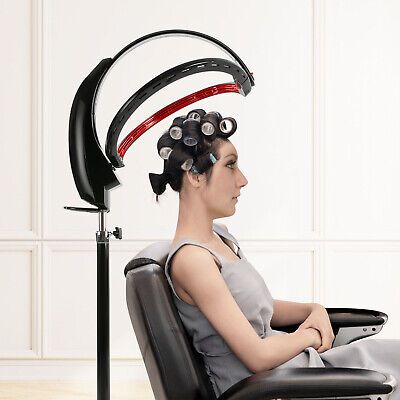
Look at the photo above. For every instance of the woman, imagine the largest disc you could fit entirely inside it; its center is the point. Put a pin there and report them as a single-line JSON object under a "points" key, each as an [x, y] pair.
{"points": [[222, 300]]}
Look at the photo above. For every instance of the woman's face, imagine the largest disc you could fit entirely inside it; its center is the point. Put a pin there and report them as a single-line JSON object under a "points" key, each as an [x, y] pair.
{"points": [[225, 183]]}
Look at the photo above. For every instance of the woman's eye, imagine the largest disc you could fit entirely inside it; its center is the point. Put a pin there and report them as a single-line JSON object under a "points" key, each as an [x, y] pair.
{"points": [[232, 163]]}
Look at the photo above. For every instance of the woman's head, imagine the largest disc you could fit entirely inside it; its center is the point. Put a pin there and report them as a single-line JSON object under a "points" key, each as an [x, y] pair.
{"points": [[200, 162]]}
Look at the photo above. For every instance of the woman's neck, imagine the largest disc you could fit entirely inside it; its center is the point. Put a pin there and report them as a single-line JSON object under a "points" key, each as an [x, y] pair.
{"points": [[197, 225], [201, 232]]}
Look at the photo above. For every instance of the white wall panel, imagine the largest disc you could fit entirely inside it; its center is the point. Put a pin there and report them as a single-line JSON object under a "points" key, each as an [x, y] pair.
{"points": [[288, 270], [15, 117], [70, 309], [362, 120], [366, 276], [19, 301]]}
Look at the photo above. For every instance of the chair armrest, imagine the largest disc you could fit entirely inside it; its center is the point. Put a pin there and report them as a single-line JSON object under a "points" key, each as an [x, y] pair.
{"points": [[350, 324], [353, 323], [291, 383]]}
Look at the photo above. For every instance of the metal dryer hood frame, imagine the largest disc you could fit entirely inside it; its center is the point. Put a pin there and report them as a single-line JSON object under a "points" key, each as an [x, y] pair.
{"points": [[93, 171]]}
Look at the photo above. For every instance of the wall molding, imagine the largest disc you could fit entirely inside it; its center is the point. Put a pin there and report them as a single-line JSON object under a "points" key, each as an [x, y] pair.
{"points": [[35, 301]]}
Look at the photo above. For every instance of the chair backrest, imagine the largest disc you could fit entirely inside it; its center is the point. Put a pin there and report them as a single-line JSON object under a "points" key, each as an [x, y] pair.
{"points": [[175, 369]]}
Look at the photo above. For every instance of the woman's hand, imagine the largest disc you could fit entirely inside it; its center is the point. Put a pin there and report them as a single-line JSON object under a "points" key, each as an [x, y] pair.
{"points": [[313, 334], [319, 319]]}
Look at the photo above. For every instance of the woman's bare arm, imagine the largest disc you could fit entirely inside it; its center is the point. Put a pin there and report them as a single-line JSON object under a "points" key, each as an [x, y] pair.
{"points": [[278, 349], [289, 312]]}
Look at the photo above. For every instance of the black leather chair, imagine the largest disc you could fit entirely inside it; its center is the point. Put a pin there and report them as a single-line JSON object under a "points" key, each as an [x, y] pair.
{"points": [[176, 370]]}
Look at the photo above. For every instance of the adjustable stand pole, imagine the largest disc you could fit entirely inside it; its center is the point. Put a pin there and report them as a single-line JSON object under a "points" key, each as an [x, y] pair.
{"points": [[103, 310], [103, 301]]}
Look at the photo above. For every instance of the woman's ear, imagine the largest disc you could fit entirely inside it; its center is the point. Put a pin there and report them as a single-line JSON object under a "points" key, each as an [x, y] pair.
{"points": [[195, 179]]}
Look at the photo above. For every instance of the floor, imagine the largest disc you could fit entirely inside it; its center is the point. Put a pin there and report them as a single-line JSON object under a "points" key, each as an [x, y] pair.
{"points": [[72, 390]]}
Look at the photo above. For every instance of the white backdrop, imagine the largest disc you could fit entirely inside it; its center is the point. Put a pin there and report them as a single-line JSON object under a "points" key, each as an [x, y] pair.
{"points": [[318, 140]]}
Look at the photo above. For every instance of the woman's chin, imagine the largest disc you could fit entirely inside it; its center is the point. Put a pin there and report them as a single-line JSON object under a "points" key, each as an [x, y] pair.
{"points": [[233, 210]]}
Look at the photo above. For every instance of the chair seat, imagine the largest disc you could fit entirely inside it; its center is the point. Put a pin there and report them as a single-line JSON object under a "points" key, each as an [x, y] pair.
{"points": [[310, 382]]}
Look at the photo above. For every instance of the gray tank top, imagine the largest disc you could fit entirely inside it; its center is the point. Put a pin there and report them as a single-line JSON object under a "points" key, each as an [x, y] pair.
{"points": [[254, 299]]}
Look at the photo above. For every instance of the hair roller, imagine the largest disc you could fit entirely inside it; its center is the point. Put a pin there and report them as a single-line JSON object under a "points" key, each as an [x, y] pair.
{"points": [[165, 145], [175, 131], [216, 113], [179, 120], [204, 162], [210, 125], [181, 158], [191, 132], [196, 114], [227, 126]]}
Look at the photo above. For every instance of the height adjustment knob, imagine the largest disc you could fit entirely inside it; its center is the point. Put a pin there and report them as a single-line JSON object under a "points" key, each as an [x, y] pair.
{"points": [[117, 233]]}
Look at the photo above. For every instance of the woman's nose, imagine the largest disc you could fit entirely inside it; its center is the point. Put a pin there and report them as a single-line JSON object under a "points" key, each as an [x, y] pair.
{"points": [[244, 180]]}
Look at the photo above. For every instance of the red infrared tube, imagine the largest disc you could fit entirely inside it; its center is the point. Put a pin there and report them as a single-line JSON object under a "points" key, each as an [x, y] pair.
{"points": [[173, 107]]}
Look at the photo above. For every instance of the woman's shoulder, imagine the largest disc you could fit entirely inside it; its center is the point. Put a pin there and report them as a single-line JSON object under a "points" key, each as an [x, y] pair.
{"points": [[187, 248], [223, 226], [177, 239]]}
